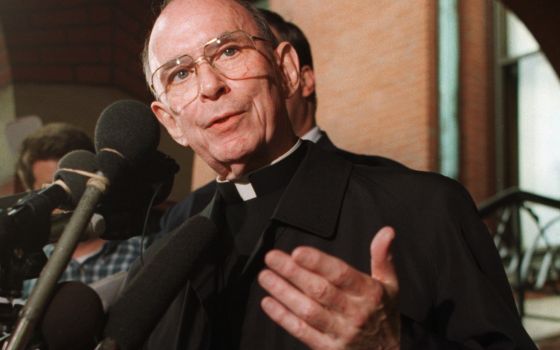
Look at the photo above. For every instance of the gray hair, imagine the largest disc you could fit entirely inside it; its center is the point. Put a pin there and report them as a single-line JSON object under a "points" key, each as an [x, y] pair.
{"points": [[262, 27]]}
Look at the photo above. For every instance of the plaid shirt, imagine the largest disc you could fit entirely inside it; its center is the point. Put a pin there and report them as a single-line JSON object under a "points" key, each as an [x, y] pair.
{"points": [[114, 256]]}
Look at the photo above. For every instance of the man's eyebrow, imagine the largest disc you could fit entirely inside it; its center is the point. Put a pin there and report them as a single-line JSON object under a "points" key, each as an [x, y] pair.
{"points": [[200, 45], [222, 34]]}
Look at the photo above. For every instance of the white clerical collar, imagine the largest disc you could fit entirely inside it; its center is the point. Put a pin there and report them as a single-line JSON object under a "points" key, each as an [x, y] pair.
{"points": [[244, 186], [313, 135]]}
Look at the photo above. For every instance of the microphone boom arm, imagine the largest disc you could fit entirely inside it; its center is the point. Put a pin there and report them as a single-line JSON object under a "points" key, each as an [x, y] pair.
{"points": [[41, 294]]}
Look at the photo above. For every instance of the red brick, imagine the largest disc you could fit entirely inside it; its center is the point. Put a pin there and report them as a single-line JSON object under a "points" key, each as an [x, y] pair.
{"points": [[59, 18], [368, 102], [131, 83], [127, 42], [105, 54], [90, 35], [128, 24], [142, 10], [100, 13], [14, 20], [69, 54], [476, 109], [8, 5], [123, 57], [23, 5], [129, 63], [4, 60], [5, 76], [133, 68], [24, 55], [98, 74], [43, 73], [136, 6], [35, 37]]}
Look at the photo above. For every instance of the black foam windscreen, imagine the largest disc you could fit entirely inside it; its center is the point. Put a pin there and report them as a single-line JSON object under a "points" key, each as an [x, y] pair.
{"points": [[76, 160], [147, 184], [74, 318], [129, 127], [151, 291]]}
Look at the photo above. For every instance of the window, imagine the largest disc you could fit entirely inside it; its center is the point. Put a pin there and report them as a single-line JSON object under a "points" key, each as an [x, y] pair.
{"points": [[529, 119]]}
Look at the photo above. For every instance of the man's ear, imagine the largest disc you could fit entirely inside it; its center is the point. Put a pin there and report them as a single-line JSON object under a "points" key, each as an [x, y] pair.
{"points": [[166, 117], [307, 81], [288, 63]]}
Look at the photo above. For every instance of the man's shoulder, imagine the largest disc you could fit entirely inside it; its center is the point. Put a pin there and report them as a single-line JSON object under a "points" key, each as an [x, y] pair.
{"points": [[356, 158], [371, 160], [191, 205], [406, 185], [196, 200], [326, 174]]}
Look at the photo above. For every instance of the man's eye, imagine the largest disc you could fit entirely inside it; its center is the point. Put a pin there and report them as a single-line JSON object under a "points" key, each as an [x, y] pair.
{"points": [[230, 51], [180, 75]]}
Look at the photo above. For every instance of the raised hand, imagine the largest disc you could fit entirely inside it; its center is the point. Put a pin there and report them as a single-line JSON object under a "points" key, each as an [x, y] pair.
{"points": [[327, 304]]}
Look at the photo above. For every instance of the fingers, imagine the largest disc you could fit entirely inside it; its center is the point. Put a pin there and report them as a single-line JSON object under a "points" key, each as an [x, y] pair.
{"points": [[334, 270], [294, 325], [315, 286], [326, 303], [317, 301], [382, 267], [305, 308]]}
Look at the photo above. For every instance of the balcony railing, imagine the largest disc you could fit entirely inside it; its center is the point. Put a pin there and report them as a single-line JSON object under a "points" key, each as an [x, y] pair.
{"points": [[530, 265]]}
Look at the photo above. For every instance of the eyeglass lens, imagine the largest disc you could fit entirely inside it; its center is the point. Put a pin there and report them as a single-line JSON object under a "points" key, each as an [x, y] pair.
{"points": [[232, 55]]}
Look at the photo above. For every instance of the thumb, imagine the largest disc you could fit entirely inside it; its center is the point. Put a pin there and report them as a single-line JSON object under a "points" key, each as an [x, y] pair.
{"points": [[382, 267]]}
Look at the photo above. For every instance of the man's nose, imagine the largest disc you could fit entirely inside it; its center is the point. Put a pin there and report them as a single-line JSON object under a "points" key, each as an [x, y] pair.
{"points": [[211, 82]]}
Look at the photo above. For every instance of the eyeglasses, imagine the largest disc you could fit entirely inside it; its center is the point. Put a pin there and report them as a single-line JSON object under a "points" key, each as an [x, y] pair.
{"points": [[232, 55]]}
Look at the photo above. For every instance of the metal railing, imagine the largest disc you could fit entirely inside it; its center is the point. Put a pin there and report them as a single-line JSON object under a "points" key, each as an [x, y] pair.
{"points": [[530, 266]]}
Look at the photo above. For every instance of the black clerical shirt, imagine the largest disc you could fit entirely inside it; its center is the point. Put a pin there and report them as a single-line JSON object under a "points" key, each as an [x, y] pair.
{"points": [[244, 222]]}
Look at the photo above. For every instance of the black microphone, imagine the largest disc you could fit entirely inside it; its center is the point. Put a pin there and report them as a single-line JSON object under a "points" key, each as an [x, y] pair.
{"points": [[27, 223], [151, 291], [10, 200], [75, 169], [74, 318], [128, 202], [126, 139], [126, 132]]}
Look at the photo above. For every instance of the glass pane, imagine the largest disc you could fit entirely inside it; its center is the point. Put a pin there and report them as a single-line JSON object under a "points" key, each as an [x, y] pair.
{"points": [[519, 40], [539, 139]]}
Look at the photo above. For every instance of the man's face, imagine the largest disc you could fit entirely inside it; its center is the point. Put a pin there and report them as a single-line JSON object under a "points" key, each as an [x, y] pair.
{"points": [[235, 125], [43, 172]]}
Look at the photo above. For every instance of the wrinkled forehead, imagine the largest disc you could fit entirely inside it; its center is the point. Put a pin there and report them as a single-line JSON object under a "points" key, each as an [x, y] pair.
{"points": [[186, 25]]}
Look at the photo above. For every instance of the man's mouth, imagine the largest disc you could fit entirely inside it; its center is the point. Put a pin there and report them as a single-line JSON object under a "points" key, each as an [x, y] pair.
{"points": [[225, 120]]}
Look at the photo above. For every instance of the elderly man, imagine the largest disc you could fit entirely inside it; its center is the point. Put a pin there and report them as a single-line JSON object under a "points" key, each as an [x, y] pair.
{"points": [[301, 107], [306, 235]]}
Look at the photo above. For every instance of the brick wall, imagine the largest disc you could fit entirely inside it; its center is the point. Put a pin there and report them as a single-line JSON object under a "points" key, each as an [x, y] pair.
{"points": [[92, 42], [5, 71], [476, 96], [375, 63], [71, 58]]}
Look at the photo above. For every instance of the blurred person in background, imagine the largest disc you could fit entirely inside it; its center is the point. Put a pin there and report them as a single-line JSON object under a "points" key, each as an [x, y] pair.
{"points": [[94, 258]]}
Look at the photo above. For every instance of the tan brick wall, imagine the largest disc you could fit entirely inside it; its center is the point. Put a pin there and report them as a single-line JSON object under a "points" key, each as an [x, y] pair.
{"points": [[476, 96], [375, 64]]}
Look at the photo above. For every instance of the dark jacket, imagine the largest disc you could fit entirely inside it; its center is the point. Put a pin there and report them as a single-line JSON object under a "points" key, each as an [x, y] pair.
{"points": [[453, 291], [199, 199]]}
